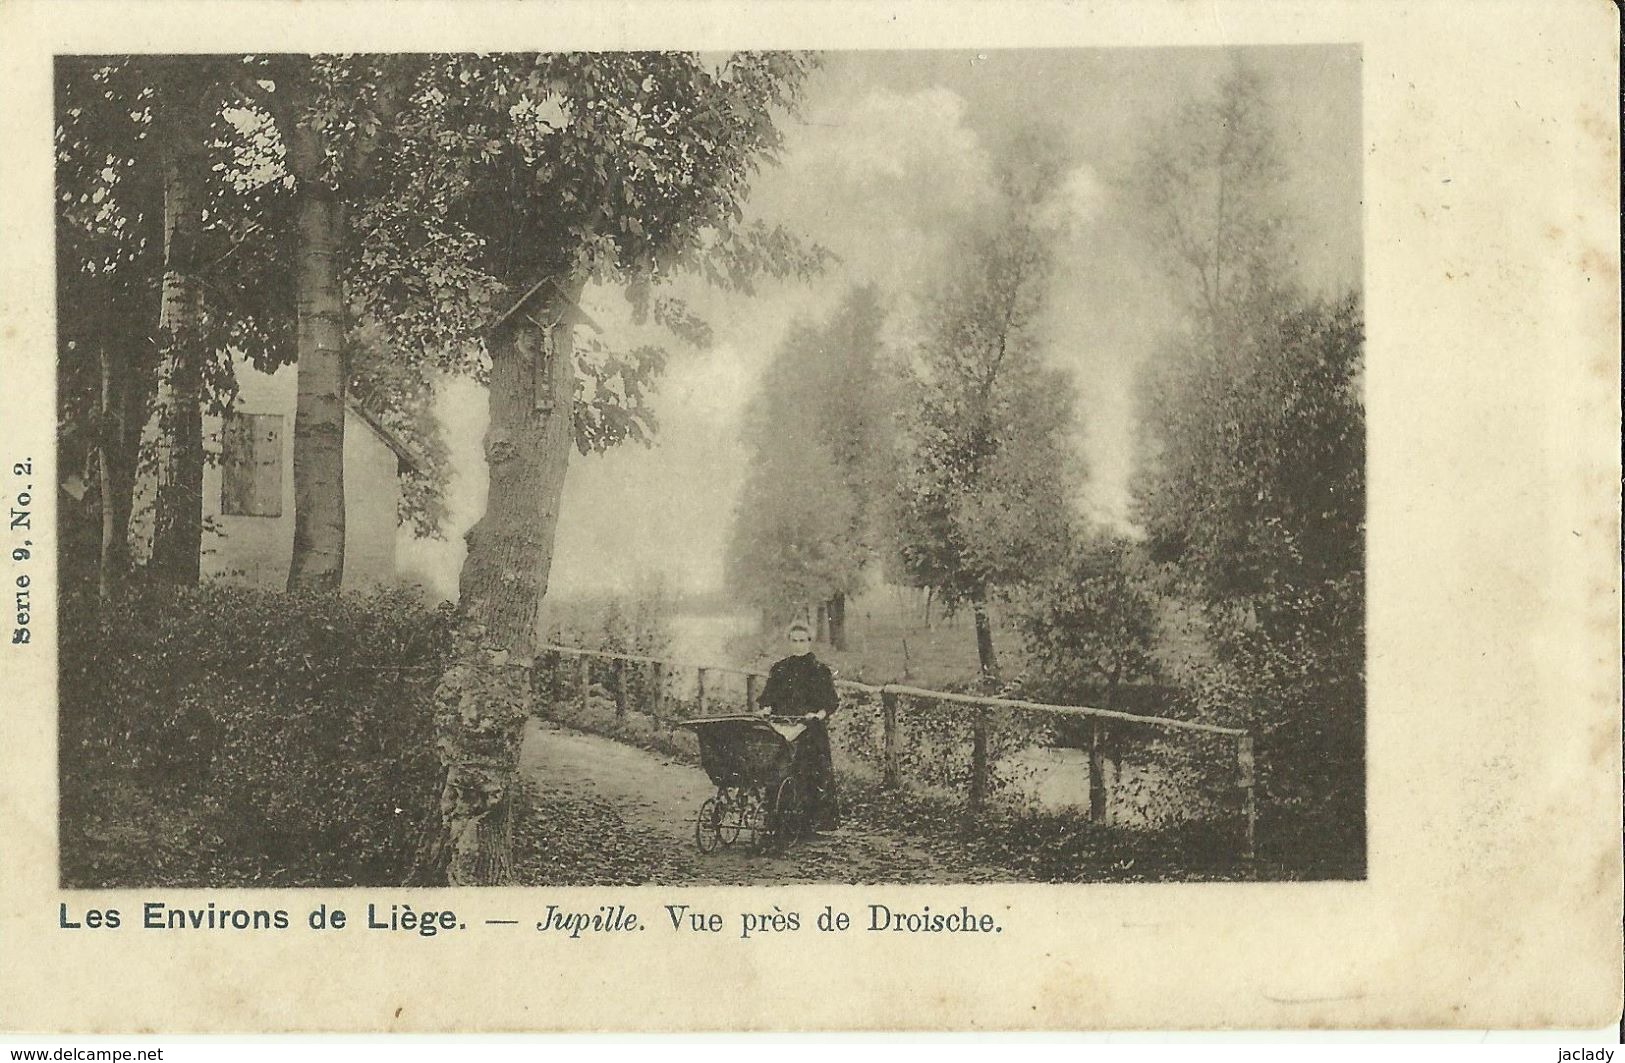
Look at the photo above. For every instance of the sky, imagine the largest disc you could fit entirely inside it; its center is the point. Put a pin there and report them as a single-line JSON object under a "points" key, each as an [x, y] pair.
{"points": [[888, 152]]}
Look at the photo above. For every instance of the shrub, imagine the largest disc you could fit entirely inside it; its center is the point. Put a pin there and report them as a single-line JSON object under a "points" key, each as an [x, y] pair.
{"points": [[1049, 846], [1090, 628], [300, 725], [1290, 669]]}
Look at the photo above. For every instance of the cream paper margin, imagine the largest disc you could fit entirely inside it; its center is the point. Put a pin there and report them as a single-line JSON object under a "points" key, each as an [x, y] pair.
{"points": [[1494, 891]]}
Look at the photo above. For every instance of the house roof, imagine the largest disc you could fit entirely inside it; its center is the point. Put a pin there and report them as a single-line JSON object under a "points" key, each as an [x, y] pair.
{"points": [[404, 454]]}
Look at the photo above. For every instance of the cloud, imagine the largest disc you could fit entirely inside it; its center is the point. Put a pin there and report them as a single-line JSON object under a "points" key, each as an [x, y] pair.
{"points": [[899, 136], [881, 180], [1077, 201]]}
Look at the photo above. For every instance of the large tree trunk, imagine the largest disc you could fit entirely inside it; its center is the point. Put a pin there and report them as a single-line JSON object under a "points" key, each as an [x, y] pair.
{"points": [[130, 338], [127, 385], [136, 399], [106, 565], [115, 554], [177, 537], [984, 637], [318, 426], [484, 700]]}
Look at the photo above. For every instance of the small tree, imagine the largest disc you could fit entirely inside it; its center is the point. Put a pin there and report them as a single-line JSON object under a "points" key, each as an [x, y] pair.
{"points": [[1253, 477], [1209, 183], [984, 501], [186, 101], [336, 119], [109, 264]]}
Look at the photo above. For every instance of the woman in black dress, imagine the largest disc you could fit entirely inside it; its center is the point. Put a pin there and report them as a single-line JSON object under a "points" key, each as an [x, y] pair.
{"points": [[802, 685]]}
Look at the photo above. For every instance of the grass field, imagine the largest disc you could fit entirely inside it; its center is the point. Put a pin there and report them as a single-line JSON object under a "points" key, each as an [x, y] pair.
{"points": [[888, 641]]}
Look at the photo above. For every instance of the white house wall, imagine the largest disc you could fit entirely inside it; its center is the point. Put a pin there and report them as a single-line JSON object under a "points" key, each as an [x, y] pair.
{"points": [[259, 549], [372, 491]]}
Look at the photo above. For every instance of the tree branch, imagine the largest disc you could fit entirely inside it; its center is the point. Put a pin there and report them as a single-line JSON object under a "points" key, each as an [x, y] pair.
{"points": [[251, 92], [395, 78], [235, 244]]}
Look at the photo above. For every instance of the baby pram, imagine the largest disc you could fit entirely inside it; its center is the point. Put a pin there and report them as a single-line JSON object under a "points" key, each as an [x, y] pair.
{"points": [[760, 798]]}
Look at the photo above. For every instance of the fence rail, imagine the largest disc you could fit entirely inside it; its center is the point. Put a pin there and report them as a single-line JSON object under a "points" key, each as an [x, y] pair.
{"points": [[890, 694]]}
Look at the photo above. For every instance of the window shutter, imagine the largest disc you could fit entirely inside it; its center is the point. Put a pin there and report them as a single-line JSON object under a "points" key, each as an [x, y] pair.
{"points": [[251, 465]]}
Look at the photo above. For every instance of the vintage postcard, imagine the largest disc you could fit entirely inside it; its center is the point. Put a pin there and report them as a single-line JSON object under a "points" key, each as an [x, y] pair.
{"points": [[732, 517]]}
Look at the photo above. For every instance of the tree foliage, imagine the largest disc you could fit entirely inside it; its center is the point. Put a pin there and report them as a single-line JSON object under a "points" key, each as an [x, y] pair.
{"points": [[984, 497], [1092, 623], [1252, 479], [620, 169], [820, 433], [1209, 184]]}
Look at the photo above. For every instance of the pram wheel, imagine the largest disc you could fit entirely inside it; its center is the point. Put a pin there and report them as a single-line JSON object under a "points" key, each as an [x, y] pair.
{"points": [[733, 815], [708, 825], [789, 813]]}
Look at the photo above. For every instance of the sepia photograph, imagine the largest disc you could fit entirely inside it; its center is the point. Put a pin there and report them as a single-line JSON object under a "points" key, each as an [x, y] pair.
{"points": [[817, 517], [622, 468]]}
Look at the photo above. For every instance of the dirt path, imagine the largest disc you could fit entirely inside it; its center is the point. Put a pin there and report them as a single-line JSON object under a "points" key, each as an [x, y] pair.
{"points": [[643, 804]]}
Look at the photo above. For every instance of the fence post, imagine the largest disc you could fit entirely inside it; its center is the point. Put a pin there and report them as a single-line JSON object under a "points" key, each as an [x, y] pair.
{"points": [[617, 682], [1097, 774], [888, 719], [554, 659], [583, 680], [750, 691], [699, 691], [1249, 799], [657, 700], [978, 760]]}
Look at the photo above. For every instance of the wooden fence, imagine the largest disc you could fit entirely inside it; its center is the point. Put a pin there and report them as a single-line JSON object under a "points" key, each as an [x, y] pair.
{"points": [[892, 694]]}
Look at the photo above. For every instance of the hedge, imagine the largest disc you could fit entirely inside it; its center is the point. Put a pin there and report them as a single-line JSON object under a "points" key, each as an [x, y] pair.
{"points": [[297, 726]]}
